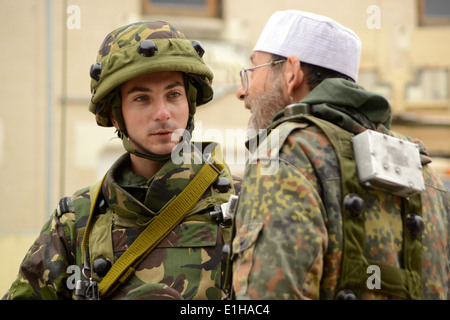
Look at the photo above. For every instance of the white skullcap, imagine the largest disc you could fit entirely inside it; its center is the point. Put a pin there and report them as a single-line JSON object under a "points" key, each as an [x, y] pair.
{"points": [[313, 39]]}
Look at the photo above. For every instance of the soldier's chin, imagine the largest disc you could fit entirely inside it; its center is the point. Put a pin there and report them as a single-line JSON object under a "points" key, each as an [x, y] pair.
{"points": [[163, 149]]}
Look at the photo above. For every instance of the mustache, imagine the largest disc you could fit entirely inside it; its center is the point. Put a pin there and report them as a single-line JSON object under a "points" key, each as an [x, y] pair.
{"points": [[177, 133], [158, 127], [247, 103]]}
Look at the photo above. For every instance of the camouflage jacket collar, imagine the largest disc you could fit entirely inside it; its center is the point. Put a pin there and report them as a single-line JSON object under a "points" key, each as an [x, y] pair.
{"points": [[134, 198], [350, 107], [345, 97], [343, 103], [347, 105]]}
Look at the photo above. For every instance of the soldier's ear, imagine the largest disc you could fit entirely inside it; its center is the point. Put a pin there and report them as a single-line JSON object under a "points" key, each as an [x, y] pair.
{"points": [[113, 120]]}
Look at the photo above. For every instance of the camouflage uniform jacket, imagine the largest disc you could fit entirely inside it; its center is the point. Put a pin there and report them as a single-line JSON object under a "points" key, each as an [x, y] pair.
{"points": [[289, 223], [187, 264]]}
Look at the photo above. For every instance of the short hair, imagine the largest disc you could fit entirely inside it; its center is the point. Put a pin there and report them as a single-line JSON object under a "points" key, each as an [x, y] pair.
{"points": [[314, 74]]}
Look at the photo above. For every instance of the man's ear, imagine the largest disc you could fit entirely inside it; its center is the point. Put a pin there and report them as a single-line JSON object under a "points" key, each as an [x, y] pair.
{"points": [[294, 75], [296, 79], [113, 120]]}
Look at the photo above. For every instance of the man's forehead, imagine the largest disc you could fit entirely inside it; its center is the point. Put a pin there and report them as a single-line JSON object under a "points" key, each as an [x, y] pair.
{"points": [[157, 77], [165, 79]]}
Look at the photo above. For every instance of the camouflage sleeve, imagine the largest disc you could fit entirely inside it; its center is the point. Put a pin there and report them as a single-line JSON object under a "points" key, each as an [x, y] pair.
{"points": [[42, 273], [281, 234]]}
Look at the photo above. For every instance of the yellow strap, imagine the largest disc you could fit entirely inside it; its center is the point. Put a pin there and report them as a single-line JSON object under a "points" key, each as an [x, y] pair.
{"points": [[158, 229]]}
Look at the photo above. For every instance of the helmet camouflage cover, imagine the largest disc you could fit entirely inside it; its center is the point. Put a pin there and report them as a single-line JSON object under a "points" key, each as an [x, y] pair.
{"points": [[128, 52]]}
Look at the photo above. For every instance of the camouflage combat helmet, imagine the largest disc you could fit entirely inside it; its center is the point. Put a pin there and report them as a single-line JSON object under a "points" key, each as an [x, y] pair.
{"points": [[141, 48]]}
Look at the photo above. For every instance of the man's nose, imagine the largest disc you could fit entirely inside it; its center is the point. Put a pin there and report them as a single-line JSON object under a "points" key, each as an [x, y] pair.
{"points": [[161, 112], [240, 93]]}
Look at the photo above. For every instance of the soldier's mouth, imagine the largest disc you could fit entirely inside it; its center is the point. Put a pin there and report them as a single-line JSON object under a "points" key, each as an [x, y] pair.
{"points": [[162, 134]]}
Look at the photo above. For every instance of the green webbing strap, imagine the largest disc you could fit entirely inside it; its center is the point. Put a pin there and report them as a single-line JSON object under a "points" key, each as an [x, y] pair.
{"points": [[402, 283], [157, 230], [94, 191]]}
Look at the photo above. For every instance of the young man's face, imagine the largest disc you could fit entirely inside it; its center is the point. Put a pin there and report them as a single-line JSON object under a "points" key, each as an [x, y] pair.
{"points": [[153, 107]]}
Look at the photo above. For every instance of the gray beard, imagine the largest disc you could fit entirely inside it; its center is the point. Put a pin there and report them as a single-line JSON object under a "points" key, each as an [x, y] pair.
{"points": [[264, 107]]}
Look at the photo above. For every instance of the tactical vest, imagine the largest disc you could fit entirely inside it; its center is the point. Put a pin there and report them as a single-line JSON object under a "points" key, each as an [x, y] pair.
{"points": [[401, 283]]}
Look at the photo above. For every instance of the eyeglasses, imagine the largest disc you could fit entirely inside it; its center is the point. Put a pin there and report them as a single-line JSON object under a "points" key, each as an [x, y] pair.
{"points": [[244, 73]]}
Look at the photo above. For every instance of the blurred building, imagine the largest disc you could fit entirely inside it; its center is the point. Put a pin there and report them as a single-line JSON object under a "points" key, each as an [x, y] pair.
{"points": [[51, 146]]}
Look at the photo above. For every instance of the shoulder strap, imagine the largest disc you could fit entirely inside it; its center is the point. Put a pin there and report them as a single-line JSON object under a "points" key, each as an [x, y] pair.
{"points": [[404, 283], [159, 228], [94, 192], [64, 205]]}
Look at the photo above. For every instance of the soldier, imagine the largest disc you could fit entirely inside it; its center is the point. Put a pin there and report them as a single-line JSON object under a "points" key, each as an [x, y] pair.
{"points": [[145, 231], [308, 226]]}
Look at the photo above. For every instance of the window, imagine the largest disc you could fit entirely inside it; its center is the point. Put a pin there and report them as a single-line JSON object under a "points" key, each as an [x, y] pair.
{"points": [[192, 8], [434, 12], [430, 89]]}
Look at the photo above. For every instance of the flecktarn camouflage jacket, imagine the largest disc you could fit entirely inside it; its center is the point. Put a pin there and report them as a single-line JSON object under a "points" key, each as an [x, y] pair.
{"points": [[289, 241], [187, 264]]}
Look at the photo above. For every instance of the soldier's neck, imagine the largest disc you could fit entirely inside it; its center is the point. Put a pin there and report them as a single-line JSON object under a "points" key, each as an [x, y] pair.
{"points": [[145, 167]]}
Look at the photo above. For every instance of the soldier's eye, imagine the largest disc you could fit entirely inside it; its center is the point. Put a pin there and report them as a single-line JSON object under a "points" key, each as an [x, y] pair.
{"points": [[141, 99], [174, 94]]}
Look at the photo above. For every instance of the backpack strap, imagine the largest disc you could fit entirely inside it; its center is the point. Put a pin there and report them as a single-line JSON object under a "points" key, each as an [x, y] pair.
{"points": [[94, 192], [64, 205], [404, 283]]}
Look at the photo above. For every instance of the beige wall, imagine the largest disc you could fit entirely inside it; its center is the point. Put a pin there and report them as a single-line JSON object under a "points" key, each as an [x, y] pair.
{"points": [[395, 51]]}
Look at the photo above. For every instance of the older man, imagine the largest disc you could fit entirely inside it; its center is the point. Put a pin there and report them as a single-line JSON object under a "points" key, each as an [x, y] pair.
{"points": [[309, 224]]}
